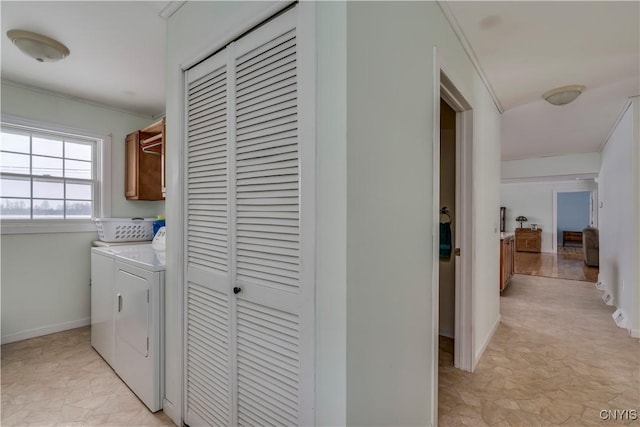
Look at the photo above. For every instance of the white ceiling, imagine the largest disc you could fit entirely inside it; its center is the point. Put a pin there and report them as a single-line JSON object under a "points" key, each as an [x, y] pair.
{"points": [[526, 48], [117, 51], [523, 49]]}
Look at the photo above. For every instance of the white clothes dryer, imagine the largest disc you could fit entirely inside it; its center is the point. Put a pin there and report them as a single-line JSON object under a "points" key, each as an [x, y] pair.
{"points": [[127, 326]]}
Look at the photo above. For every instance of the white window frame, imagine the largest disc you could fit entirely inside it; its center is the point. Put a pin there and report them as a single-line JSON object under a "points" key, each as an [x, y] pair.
{"points": [[102, 196]]}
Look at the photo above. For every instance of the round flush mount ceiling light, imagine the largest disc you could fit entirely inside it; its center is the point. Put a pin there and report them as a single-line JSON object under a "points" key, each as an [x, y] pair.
{"points": [[563, 95], [39, 47]]}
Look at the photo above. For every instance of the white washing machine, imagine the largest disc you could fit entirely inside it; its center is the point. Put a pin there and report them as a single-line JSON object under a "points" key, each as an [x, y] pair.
{"points": [[127, 314]]}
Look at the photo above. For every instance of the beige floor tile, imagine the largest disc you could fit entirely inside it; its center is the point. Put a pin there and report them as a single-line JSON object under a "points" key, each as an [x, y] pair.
{"points": [[557, 358], [60, 380]]}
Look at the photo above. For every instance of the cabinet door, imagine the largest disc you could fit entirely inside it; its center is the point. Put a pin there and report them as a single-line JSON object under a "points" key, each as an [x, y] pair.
{"points": [[508, 260], [502, 266], [163, 160], [131, 165]]}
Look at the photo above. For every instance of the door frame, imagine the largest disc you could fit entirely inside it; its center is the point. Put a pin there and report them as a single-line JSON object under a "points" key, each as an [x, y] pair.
{"points": [[445, 88], [593, 212]]}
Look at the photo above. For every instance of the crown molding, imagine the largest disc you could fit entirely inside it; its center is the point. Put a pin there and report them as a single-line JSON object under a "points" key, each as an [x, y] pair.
{"points": [[448, 13], [589, 177], [627, 105], [170, 8], [75, 98]]}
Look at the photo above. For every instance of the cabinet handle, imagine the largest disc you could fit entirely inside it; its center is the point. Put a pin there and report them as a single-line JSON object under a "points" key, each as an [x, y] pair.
{"points": [[237, 290], [119, 303]]}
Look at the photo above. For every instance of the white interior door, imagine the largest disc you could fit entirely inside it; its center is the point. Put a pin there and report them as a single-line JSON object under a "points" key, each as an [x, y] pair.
{"points": [[249, 305]]}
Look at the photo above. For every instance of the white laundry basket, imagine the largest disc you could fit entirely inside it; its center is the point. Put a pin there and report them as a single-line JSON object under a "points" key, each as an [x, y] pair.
{"points": [[113, 230]]}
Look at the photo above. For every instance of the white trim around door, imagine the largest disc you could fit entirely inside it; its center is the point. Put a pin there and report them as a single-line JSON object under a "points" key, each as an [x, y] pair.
{"points": [[445, 88]]}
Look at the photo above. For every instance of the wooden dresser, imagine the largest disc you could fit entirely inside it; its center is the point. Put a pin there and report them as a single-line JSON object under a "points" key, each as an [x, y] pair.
{"points": [[507, 250], [528, 240], [571, 236]]}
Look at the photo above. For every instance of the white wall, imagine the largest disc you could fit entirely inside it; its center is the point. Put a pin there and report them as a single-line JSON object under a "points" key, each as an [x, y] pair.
{"points": [[45, 277], [331, 227], [486, 217], [619, 192], [389, 228], [535, 201], [571, 164]]}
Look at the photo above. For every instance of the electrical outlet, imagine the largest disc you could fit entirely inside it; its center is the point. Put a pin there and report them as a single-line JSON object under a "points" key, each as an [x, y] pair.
{"points": [[620, 318], [607, 298]]}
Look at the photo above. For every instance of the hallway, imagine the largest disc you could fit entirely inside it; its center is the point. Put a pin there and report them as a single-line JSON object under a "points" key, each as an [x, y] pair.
{"points": [[557, 358]]}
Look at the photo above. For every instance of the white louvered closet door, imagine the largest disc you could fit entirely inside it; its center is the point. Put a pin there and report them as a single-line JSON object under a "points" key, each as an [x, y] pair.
{"points": [[269, 196], [268, 224], [208, 380]]}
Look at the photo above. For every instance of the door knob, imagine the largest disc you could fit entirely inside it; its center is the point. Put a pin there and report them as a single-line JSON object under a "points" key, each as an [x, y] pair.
{"points": [[237, 290]]}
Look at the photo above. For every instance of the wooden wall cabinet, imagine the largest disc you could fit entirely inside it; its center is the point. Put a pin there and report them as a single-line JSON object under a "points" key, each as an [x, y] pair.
{"points": [[507, 260], [144, 163], [528, 240]]}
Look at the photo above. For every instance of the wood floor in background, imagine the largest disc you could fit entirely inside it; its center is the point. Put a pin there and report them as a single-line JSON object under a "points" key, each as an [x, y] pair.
{"points": [[568, 263], [556, 359], [60, 380]]}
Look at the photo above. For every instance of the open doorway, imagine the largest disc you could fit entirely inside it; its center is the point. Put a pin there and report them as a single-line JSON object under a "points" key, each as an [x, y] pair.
{"points": [[447, 264], [452, 190], [574, 214]]}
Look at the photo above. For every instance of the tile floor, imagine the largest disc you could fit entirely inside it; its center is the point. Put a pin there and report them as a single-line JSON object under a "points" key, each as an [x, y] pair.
{"points": [[59, 380], [557, 358]]}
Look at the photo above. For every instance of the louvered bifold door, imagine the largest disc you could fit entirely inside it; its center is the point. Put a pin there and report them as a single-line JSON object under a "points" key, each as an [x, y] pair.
{"points": [[208, 380], [268, 238], [249, 226]]}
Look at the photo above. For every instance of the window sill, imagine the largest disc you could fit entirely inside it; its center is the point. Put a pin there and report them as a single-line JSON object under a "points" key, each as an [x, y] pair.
{"points": [[48, 226]]}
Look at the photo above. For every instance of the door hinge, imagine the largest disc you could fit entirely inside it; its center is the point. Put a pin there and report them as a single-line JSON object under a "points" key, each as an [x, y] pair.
{"points": [[456, 251]]}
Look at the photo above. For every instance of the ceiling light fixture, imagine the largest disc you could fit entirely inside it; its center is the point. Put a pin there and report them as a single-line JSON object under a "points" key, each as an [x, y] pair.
{"points": [[39, 47], [563, 95]]}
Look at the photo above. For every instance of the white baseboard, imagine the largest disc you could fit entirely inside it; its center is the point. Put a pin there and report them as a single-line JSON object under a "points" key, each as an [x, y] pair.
{"points": [[635, 333], [486, 342], [172, 412], [45, 330]]}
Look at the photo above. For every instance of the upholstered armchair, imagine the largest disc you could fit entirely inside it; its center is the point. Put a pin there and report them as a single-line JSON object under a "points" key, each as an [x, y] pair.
{"points": [[591, 246]]}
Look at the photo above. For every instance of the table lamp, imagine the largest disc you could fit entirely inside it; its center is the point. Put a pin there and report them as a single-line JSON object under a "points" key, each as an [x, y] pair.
{"points": [[521, 219]]}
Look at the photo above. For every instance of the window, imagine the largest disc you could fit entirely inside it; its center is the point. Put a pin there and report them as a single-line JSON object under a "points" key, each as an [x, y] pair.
{"points": [[49, 177]]}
